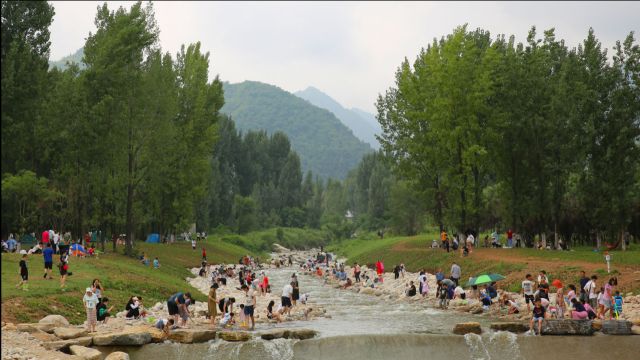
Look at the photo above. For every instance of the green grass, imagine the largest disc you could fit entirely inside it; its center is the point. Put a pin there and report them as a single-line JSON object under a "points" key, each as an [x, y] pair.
{"points": [[416, 254], [122, 277]]}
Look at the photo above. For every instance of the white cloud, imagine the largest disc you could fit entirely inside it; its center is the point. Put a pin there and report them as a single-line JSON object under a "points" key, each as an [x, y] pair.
{"points": [[349, 50]]}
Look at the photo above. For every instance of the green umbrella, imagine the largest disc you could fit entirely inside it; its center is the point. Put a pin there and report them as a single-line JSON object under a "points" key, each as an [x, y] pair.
{"points": [[484, 279]]}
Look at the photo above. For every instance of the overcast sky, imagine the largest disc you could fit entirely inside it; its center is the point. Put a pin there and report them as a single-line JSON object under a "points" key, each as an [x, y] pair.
{"points": [[348, 50]]}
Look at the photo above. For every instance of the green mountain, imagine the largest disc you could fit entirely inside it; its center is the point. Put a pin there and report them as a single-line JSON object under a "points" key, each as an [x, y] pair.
{"points": [[357, 120], [73, 58], [325, 145]]}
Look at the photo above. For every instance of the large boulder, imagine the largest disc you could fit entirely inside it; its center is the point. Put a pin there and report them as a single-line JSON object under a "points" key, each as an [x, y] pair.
{"points": [[57, 320], [123, 339], [301, 334], [157, 335], [31, 328], [616, 327], [566, 327], [635, 330], [512, 326], [43, 336], [273, 334], [190, 336], [117, 355], [65, 344], [85, 352], [635, 322], [466, 328], [235, 336], [66, 333]]}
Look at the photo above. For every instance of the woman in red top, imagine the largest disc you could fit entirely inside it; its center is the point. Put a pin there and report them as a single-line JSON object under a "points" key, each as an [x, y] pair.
{"points": [[204, 254], [265, 284]]}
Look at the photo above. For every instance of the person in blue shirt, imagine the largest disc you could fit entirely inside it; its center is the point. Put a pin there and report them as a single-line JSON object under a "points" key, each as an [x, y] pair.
{"points": [[617, 304], [47, 254], [177, 306]]}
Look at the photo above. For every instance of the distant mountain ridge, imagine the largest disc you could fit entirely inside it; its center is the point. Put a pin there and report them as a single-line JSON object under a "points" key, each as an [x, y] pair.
{"points": [[73, 58], [325, 145], [362, 123]]}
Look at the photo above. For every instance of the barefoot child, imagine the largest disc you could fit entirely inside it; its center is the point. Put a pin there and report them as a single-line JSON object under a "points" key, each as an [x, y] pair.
{"points": [[538, 315]]}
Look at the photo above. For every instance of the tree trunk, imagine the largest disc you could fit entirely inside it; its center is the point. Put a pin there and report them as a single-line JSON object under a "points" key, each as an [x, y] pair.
{"points": [[598, 240], [623, 240], [543, 240], [555, 236], [129, 239]]}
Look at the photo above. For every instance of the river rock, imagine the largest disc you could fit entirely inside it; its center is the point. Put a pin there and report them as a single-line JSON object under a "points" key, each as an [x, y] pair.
{"points": [[273, 334], [596, 324], [635, 330], [9, 327], [466, 328], [301, 334], [190, 336], [616, 327], [367, 291], [57, 320], [66, 333], [514, 326], [65, 344], [35, 327], [235, 336], [117, 355], [635, 322], [566, 327], [85, 352], [43, 336], [123, 338]]}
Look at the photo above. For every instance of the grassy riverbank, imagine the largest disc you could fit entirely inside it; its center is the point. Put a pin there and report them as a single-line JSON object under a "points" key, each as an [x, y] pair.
{"points": [[122, 277], [416, 254]]}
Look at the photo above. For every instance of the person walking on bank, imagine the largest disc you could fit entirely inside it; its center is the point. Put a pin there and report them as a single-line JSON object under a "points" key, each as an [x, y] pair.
{"points": [[455, 273], [24, 274], [47, 255]]}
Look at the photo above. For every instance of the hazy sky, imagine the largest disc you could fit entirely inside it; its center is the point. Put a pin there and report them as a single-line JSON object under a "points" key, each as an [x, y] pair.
{"points": [[348, 50]]}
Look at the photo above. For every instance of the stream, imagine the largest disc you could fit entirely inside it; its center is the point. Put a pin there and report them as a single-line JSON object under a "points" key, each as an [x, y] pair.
{"points": [[368, 327]]}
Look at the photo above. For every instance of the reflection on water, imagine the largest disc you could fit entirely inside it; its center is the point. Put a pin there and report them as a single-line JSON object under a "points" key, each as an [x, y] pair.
{"points": [[367, 327]]}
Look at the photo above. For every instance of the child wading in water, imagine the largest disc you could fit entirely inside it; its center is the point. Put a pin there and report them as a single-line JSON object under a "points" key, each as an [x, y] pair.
{"points": [[24, 274]]}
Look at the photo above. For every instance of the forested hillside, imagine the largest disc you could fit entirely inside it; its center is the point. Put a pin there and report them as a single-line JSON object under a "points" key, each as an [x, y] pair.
{"points": [[325, 145], [362, 128], [75, 58]]}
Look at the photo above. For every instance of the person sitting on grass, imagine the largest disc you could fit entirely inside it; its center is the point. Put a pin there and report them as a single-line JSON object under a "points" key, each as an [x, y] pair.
{"points": [[156, 263], [103, 311], [538, 315]]}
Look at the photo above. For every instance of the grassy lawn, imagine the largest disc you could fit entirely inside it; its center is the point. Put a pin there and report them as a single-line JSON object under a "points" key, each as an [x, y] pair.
{"points": [[121, 276]]}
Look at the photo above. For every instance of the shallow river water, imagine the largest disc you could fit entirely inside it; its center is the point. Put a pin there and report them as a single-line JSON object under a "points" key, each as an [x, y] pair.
{"points": [[367, 327]]}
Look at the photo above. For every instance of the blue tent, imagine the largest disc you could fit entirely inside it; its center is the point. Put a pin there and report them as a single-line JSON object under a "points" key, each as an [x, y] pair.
{"points": [[77, 249], [153, 238]]}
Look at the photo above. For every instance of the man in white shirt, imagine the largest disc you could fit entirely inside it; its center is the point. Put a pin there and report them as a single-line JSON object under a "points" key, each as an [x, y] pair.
{"points": [[286, 298], [591, 289], [249, 304], [56, 240]]}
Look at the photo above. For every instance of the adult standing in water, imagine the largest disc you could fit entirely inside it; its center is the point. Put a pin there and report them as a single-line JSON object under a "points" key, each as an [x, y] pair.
{"points": [[287, 291], [212, 304], [295, 295]]}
